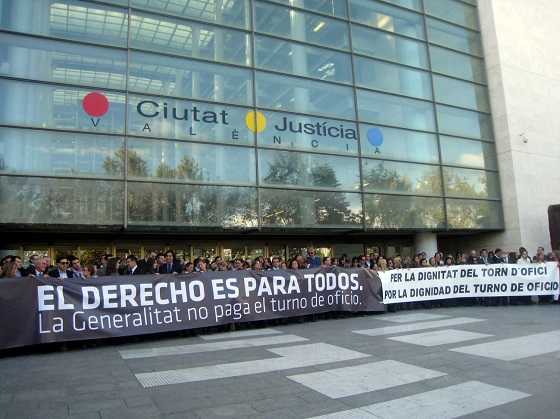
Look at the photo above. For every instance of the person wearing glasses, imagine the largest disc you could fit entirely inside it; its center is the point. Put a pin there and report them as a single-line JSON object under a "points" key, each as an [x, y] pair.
{"points": [[313, 261], [61, 270]]}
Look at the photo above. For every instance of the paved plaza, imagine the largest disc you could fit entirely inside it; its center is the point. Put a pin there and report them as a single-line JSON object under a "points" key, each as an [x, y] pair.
{"points": [[470, 362]]}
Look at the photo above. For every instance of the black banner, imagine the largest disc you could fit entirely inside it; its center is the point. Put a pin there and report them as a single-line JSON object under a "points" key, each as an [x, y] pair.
{"points": [[34, 311]]}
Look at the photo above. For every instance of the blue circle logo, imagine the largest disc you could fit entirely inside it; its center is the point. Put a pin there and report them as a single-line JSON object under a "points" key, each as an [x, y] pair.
{"points": [[375, 136]]}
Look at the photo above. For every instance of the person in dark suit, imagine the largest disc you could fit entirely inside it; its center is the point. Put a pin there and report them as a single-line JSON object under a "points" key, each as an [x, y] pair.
{"points": [[501, 257], [132, 265], [171, 266], [32, 269], [61, 270]]}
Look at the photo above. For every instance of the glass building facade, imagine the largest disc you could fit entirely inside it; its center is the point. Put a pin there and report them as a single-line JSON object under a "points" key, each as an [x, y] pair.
{"points": [[234, 115]]}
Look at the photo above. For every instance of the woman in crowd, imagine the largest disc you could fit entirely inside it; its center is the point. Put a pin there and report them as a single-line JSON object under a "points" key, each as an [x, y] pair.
{"points": [[294, 264], [381, 264], [524, 258], [90, 271], [9, 270]]}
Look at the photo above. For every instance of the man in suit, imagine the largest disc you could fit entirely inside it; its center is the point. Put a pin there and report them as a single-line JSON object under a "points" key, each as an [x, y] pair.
{"points": [[61, 271], [76, 268], [32, 269], [171, 266], [275, 263], [132, 265], [501, 257], [484, 259]]}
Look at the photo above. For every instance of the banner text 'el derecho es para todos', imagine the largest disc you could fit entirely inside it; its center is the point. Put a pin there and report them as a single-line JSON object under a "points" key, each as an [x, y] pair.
{"points": [[45, 310]]}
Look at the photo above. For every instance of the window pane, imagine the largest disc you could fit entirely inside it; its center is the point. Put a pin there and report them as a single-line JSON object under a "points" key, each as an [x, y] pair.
{"points": [[464, 123], [70, 19], [404, 178], [230, 12], [457, 64], [190, 162], [389, 47], [392, 110], [467, 214], [294, 94], [165, 34], [386, 17], [392, 212], [300, 26], [453, 11], [461, 93], [62, 107], [61, 154], [299, 132], [308, 170], [310, 209], [468, 183], [159, 204], [411, 4], [392, 78], [454, 37], [299, 59], [188, 78], [179, 119], [456, 151], [60, 201], [330, 7], [398, 144], [57, 61]]}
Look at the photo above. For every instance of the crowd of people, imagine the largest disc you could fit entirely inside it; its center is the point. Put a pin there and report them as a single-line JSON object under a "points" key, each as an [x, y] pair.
{"points": [[167, 263]]}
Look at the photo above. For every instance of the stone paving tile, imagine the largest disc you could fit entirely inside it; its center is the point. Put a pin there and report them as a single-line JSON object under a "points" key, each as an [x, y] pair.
{"points": [[237, 410], [139, 401], [90, 415], [95, 405], [130, 413]]}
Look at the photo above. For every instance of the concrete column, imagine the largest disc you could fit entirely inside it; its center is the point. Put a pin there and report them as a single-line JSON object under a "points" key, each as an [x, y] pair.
{"points": [[426, 242]]}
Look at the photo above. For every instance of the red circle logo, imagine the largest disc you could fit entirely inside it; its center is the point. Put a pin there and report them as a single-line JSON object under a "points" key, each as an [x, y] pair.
{"points": [[95, 104]]}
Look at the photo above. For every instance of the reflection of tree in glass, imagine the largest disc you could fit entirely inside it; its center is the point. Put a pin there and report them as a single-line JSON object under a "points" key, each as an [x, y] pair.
{"points": [[330, 208], [62, 201], [461, 186], [472, 214], [187, 169], [137, 166], [393, 212], [381, 178], [286, 169], [304, 208], [196, 205]]}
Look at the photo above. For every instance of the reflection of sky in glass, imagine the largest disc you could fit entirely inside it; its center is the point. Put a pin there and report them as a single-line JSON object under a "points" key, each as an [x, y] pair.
{"points": [[460, 152], [400, 144]]}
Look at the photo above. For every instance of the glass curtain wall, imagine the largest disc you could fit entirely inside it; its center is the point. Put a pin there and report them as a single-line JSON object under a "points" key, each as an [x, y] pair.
{"points": [[241, 114]]}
